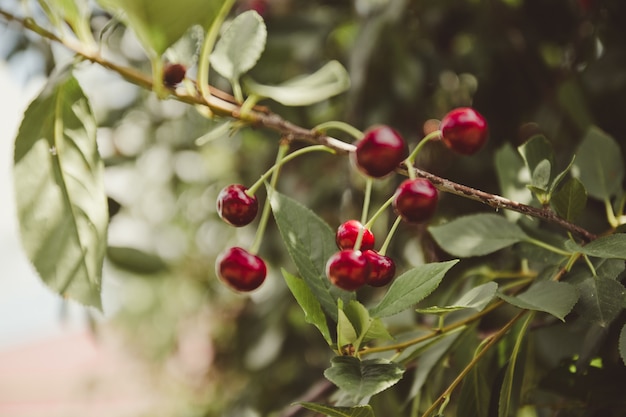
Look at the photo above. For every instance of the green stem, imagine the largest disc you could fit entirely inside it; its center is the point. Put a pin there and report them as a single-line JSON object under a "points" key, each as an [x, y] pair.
{"points": [[364, 211], [282, 150], [380, 211], [207, 48], [547, 246], [396, 223], [610, 214], [410, 160], [342, 126], [314, 148]]}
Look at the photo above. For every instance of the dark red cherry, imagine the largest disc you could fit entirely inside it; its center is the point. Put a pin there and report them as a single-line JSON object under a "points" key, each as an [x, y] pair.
{"points": [[382, 269], [348, 269], [235, 206], [464, 130], [380, 151], [173, 74], [415, 200], [347, 234], [240, 270]]}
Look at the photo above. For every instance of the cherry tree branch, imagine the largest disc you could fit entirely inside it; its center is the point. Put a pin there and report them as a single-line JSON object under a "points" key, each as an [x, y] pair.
{"points": [[223, 104]]}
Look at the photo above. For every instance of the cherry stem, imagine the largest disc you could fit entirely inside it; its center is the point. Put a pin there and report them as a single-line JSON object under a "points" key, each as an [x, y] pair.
{"points": [[279, 162], [380, 211], [364, 213], [338, 125], [394, 227], [410, 160], [218, 102], [260, 231]]}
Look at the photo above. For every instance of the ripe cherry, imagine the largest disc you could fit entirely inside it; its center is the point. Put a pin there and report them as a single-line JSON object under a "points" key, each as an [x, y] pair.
{"points": [[464, 130], [348, 269], [235, 206], [173, 74], [382, 269], [240, 269], [347, 234], [415, 200], [380, 151]]}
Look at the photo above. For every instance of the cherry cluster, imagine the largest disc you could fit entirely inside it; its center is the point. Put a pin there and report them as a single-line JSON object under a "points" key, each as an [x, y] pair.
{"points": [[378, 154]]}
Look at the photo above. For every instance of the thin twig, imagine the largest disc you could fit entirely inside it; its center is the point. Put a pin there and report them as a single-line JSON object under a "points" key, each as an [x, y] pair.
{"points": [[221, 104]]}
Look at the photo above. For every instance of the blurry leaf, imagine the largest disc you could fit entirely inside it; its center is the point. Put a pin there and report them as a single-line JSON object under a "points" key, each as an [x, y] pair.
{"points": [[310, 243], [476, 235], [160, 23], [539, 158], [221, 130], [61, 203], [475, 393], [510, 168], [411, 287], [477, 298], [313, 313], [365, 327], [358, 411], [556, 298], [570, 200], [346, 333], [135, 260], [75, 13], [601, 300], [622, 344], [511, 384], [561, 175], [240, 46], [600, 164], [362, 379], [328, 81], [612, 246]]}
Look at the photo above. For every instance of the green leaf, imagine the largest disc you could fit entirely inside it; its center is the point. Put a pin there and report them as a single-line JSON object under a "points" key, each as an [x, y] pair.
{"points": [[61, 203], [135, 260], [561, 176], [611, 246], [511, 384], [313, 313], [541, 175], [364, 327], [622, 344], [539, 158], [601, 300], [511, 170], [76, 13], [570, 200], [240, 46], [477, 299], [358, 411], [475, 393], [346, 333], [330, 80], [556, 298], [600, 164], [160, 23], [411, 287], [365, 378], [477, 234], [310, 243]]}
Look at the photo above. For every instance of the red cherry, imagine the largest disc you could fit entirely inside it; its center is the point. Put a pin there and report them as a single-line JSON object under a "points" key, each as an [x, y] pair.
{"points": [[235, 206], [240, 269], [348, 269], [415, 200], [464, 130], [380, 151], [382, 269], [173, 74], [347, 234]]}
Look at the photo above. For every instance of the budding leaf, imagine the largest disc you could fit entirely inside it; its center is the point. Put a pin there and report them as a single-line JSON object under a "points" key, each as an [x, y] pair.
{"points": [[477, 235], [61, 203]]}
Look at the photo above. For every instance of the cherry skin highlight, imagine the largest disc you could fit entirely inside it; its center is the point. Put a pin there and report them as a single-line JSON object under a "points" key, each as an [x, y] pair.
{"points": [[415, 200], [347, 234], [464, 130], [235, 206], [240, 270], [348, 269], [380, 151], [382, 269]]}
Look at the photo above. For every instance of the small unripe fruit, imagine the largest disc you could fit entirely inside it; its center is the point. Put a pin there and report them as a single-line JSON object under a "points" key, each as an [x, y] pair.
{"points": [[240, 270], [380, 151], [348, 269], [235, 206], [347, 234], [464, 130], [382, 269], [173, 74], [415, 200]]}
